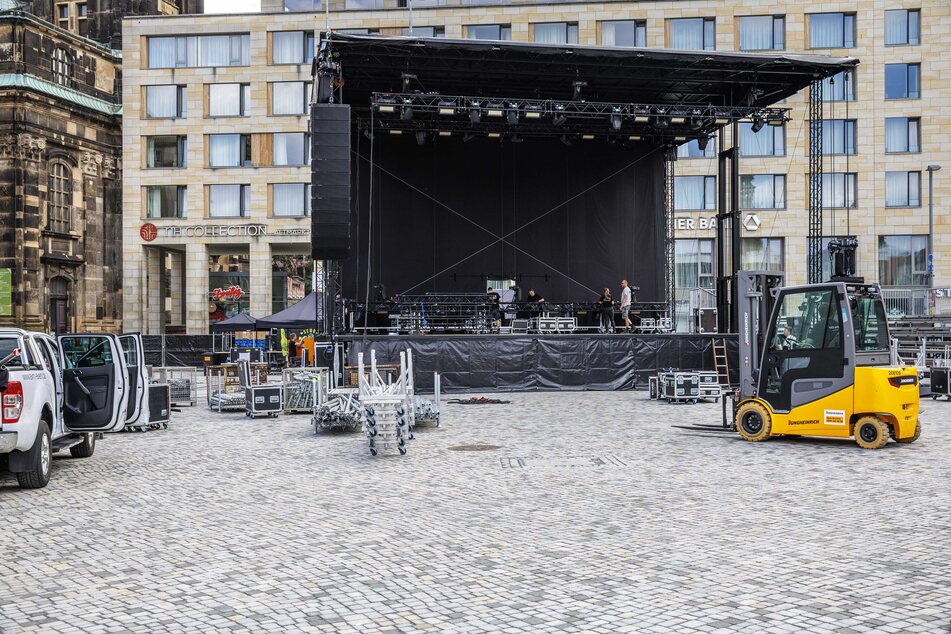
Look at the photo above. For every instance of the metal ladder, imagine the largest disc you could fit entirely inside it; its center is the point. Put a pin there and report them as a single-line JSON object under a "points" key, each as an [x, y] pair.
{"points": [[720, 362]]}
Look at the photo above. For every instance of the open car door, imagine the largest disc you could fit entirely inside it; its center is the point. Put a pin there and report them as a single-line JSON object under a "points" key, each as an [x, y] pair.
{"points": [[137, 410], [95, 382]]}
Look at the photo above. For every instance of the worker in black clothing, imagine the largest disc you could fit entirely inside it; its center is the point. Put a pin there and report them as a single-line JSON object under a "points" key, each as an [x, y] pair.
{"points": [[493, 300], [606, 304]]}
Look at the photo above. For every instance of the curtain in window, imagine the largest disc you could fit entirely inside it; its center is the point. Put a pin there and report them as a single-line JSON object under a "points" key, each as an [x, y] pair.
{"points": [[289, 199], [224, 150], [686, 257], [161, 52], [689, 192], [896, 189], [826, 30], [154, 201], [302, 5], [896, 27], [555, 33], [756, 191], [288, 97], [686, 33], [756, 33], [214, 50], [161, 101], [896, 134], [620, 33], [288, 148], [839, 87], [224, 100], [225, 200], [287, 47], [762, 253], [756, 143]]}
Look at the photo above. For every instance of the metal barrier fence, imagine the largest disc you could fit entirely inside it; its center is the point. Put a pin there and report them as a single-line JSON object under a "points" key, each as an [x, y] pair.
{"points": [[686, 303], [903, 302]]}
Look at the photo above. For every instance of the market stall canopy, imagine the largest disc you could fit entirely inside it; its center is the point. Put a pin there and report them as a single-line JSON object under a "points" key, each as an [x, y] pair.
{"points": [[239, 323], [303, 314]]}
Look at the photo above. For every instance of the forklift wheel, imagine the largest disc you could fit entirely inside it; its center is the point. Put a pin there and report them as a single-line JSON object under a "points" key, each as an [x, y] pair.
{"points": [[934, 397], [913, 438], [871, 432], [753, 421]]}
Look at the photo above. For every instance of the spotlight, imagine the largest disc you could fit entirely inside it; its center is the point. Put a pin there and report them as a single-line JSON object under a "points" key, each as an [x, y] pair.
{"points": [[722, 120], [496, 110], [680, 138], [447, 108], [445, 133], [468, 136], [642, 116], [475, 116], [661, 122], [533, 112], [758, 124], [558, 119], [678, 120], [407, 114], [587, 137], [616, 122], [702, 143], [566, 140], [634, 137], [512, 117], [385, 108], [494, 135], [775, 121], [396, 132], [420, 137]]}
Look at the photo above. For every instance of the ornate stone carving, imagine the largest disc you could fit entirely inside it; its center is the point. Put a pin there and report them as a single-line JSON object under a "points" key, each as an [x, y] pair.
{"points": [[22, 146], [91, 162], [110, 166]]}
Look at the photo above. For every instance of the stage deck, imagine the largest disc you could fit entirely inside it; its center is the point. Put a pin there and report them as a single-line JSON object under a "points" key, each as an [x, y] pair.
{"points": [[520, 363]]}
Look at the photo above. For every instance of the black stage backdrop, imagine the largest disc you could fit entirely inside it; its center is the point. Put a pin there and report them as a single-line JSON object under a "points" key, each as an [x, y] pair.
{"points": [[611, 226]]}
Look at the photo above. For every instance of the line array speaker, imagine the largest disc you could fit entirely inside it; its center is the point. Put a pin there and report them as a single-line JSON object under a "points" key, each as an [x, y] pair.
{"points": [[330, 181]]}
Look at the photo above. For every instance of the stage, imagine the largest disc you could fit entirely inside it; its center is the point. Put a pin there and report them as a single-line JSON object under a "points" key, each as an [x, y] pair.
{"points": [[525, 363]]}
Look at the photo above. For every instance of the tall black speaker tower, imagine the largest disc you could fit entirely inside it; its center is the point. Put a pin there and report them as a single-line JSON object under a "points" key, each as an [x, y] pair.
{"points": [[330, 180]]}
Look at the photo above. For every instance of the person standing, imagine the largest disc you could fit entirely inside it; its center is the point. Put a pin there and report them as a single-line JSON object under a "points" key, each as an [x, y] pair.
{"points": [[606, 304], [626, 305], [492, 300]]}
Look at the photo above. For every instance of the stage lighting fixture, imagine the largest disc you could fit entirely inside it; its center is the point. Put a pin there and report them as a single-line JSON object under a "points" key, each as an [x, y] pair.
{"points": [[722, 120], [702, 143], [578, 85], [447, 108], [396, 132], [475, 115], [496, 110], [420, 137], [680, 139], [758, 124], [642, 116], [661, 122], [558, 119], [383, 107], [533, 112], [678, 120], [494, 135], [776, 120], [615, 122], [468, 136], [512, 117], [634, 137], [566, 140], [407, 114], [445, 133], [587, 137]]}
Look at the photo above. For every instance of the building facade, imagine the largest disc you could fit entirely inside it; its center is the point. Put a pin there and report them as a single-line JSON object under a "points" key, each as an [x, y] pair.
{"points": [[241, 111]]}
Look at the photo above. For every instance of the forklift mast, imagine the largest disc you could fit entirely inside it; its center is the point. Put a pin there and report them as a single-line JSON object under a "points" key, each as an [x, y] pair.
{"points": [[756, 294]]}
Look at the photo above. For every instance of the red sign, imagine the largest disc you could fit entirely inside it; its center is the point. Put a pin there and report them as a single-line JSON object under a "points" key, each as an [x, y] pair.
{"points": [[233, 293], [148, 232]]}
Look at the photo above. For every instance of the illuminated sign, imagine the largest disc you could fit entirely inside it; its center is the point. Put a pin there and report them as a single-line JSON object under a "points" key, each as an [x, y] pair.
{"points": [[149, 231], [232, 293]]}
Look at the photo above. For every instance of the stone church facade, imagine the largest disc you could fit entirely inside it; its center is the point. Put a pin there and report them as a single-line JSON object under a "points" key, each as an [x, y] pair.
{"points": [[60, 162]]}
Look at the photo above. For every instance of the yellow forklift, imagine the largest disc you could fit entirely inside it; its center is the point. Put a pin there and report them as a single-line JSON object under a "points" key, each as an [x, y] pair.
{"points": [[815, 360]]}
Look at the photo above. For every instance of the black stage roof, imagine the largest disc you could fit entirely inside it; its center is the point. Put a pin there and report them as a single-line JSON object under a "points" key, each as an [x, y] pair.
{"points": [[375, 63]]}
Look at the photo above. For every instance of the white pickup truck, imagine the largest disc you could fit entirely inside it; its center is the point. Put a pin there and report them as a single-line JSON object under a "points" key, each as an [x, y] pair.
{"points": [[63, 392]]}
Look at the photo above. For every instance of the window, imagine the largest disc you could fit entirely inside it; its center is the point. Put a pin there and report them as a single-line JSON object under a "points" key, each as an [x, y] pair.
{"points": [[902, 189], [229, 201], [165, 201], [59, 197], [869, 325], [290, 97], [292, 47], [903, 260], [691, 149], [902, 27], [769, 141], [364, 4], [71, 16], [165, 102], [762, 33], [838, 136], [229, 150], [839, 191], [291, 148], [763, 191], [762, 254], [556, 32], [697, 34], [902, 81], [165, 151], [902, 134], [693, 263], [693, 193], [624, 33], [229, 100], [832, 30], [290, 199], [839, 87], [425, 31], [359, 31], [303, 5], [489, 32], [62, 67], [189, 51]]}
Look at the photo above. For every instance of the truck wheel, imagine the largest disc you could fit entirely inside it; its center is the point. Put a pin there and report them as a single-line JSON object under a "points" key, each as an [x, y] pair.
{"points": [[871, 432], [753, 422], [39, 476], [913, 438], [84, 449]]}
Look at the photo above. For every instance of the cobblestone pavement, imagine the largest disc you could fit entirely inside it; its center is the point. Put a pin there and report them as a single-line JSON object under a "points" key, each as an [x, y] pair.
{"points": [[597, 512]]}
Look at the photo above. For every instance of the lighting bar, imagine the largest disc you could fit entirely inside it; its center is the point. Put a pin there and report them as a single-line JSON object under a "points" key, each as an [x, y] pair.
{"points": [[386, 108], [396, 132], [587, 137], [445, 133], [494, 135], [678, 120]]}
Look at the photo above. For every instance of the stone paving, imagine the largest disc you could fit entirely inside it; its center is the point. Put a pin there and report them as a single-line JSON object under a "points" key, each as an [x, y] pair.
{"points": [[598, 512]]}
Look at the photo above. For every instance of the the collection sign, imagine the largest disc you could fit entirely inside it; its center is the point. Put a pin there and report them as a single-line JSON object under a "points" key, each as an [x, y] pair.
{"points": [[149, 231]]}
